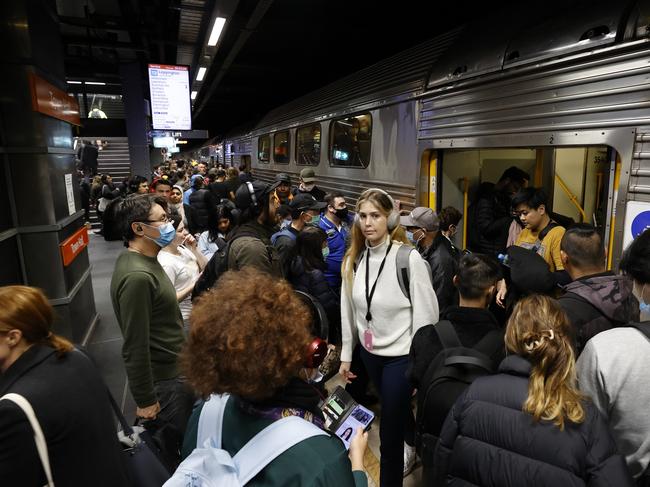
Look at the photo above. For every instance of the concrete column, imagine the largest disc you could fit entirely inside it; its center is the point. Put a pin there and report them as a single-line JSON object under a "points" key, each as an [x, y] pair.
{"points": [[136, 118], [37, 211]]}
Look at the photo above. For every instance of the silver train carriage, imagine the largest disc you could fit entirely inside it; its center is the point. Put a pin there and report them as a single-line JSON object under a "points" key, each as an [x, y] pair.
{"points": [[430, 124]]}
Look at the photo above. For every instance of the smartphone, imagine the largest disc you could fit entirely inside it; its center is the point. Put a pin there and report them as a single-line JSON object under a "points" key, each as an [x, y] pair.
{"points": [[359, 417]]}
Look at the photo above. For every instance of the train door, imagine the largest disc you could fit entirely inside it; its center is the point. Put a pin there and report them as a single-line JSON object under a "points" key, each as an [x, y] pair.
{"points": [[578, 181], [246, 160], [428, 183]]}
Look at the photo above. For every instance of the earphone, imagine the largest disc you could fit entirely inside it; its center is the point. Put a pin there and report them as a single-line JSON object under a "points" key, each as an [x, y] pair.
{"points": [[392, 221], [316, 353], [251, 191]]}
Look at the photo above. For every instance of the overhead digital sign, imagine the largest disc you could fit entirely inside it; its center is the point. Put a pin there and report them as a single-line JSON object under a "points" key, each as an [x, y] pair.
{"points": [[170, 97]]}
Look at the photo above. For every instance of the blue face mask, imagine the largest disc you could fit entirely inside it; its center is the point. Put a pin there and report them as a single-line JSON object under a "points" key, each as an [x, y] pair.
{"points": [[410, 236], [643, 306], [167, 234], [326, 252]]}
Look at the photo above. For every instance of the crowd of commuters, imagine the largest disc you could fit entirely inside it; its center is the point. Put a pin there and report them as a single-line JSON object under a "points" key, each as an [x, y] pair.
{"points": [[543, 384]]}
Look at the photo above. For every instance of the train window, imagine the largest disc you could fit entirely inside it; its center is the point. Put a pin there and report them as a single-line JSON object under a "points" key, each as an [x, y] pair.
{"points": [[308, 145], [350, 141], [264, 148], [281, 147]]}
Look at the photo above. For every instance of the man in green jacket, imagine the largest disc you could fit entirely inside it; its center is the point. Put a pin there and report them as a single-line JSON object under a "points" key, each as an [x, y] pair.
{"points": [[145, 304]]}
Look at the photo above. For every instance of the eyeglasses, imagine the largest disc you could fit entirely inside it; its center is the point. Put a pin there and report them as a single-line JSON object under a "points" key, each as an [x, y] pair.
{"points": [[166, 220]]}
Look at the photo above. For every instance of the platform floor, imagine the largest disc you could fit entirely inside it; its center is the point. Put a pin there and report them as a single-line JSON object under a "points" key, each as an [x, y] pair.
{"points": [[105, 346]]}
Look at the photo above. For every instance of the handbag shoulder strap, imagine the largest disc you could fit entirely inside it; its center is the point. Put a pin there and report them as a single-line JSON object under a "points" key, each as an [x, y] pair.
{"points": [[211, 420], [39, 437], [270, 443]]}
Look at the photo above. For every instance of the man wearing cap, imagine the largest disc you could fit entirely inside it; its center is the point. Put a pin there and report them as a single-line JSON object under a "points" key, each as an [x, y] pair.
{"points": [[423, 229], [250, 242], [336, 223], [283, 191], [304, 210], [196, 182], [308, 184]]}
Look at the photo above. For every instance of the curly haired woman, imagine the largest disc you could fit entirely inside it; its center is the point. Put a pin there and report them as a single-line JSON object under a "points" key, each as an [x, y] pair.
{"points": [[529, 424], [252, 343]]}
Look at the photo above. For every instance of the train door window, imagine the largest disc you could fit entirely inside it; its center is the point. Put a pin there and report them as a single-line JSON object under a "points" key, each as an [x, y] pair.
{"points": [[264, 148], [281, 147], [308, 145], [350, 141]]}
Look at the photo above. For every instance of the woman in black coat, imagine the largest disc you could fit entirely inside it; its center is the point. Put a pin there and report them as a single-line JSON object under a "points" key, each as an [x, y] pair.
{"points": [[306, 274], [529, 424], [67, 395]]}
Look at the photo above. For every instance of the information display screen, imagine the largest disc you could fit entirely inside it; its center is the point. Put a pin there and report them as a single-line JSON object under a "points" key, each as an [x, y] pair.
{"points": [[170, 97]]}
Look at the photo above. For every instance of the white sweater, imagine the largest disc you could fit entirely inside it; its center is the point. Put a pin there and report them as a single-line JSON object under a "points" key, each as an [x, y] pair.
{"points": [[394, 319]]}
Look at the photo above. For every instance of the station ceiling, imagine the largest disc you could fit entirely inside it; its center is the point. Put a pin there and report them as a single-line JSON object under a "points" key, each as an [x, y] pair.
{"points": [[270, 52]]}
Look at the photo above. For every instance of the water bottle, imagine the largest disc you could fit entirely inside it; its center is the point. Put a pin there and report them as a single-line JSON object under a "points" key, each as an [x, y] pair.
{"points": [[504, 259]]}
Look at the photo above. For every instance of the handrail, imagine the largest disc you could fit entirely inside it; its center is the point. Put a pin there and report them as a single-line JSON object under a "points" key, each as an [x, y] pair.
{"points": [[612, 222], [573, 198], [465, 209]]}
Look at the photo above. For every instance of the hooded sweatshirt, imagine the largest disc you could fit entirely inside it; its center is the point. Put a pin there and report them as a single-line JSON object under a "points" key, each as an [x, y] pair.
{"points": [[597, 303]]}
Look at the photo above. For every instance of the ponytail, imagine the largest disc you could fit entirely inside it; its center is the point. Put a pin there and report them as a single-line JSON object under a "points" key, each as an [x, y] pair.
{"points": [[58, 343]]}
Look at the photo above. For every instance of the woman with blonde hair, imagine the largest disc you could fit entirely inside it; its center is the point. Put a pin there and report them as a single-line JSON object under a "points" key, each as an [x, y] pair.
{"points": [[67, 395], [382, 311], [529, 424]]}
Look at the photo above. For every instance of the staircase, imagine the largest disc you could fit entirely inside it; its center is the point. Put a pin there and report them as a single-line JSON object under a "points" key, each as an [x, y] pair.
{"points": [[114, 160]]}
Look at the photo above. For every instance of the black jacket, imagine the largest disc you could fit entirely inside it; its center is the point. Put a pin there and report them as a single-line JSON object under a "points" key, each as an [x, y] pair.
{"points": [[317, 193], [597, 303], [470, 324], [443, 266], [313, 282], [492, 222], [71, 403], [201, 201], [488, 440]]}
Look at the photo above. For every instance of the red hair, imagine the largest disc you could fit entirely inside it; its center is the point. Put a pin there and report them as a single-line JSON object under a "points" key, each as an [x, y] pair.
{"points": [[27, 309]]}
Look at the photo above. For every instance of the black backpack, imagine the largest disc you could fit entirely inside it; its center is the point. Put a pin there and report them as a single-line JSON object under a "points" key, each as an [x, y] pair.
{"points": [[216, 266], [452, 370]]}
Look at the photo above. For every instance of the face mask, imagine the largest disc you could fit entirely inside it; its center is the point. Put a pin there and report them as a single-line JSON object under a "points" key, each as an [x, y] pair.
{"points": [[307, 187], [341, 213], [410, 236], [315, 220], [643, 306], [326, 252], [167, 235]]}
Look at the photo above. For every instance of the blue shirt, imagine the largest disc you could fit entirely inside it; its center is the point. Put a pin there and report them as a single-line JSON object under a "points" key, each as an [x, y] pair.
{"points": [[337, 243]]}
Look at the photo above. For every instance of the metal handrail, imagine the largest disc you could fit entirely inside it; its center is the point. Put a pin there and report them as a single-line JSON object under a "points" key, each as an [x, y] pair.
{"points": [[573, 198]]}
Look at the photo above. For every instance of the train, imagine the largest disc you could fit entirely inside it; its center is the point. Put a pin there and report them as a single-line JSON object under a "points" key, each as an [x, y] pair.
{"points": [[564, 97]]}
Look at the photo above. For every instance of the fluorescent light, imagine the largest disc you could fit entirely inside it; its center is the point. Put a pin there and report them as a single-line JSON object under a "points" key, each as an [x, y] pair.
{"points": [[100, 83], [74, 82], [193, 95], [217, 28], [201, 74]]}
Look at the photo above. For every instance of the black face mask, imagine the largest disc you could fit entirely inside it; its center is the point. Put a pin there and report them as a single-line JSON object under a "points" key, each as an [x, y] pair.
{"points": [[341, 213]]}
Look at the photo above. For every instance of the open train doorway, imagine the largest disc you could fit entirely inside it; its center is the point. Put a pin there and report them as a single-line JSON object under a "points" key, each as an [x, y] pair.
{"points": [[579, 181]]}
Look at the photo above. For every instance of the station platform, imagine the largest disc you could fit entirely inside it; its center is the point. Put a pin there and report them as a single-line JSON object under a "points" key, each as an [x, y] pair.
{"points": [[105, 346]]}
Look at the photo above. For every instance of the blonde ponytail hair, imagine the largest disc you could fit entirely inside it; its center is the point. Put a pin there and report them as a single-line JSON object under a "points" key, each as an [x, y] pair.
{"points": [[27, 309], [539, 331], [357, 241]]}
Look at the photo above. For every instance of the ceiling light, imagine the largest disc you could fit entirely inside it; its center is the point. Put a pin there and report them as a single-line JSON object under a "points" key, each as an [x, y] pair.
{"points": [[74, 82], [193, 95], [100, 83], [217, 28], [201, 74]]}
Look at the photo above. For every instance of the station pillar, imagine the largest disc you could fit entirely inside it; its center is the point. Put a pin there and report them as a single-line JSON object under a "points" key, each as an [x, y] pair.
{"points": [[42, 234], [136, 118]]}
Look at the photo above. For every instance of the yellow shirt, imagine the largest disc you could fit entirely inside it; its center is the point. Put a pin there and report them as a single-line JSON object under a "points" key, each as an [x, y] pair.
{"points": [[550, 248]]}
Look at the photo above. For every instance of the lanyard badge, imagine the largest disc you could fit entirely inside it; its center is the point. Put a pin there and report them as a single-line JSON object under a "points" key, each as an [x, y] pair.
{"points": [[367, 334]]}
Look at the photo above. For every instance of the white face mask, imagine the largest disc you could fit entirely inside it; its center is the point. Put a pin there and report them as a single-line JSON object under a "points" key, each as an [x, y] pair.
{"points": [[316, 376], [307, 186]]}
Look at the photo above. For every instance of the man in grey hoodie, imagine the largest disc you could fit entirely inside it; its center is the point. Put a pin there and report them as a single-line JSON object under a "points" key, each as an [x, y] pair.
{"points": [[596, 300]]}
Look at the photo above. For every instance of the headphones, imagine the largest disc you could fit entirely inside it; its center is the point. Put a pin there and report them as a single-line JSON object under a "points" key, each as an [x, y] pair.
{"points": [[392, 221], [251, 191], [316, 353]]}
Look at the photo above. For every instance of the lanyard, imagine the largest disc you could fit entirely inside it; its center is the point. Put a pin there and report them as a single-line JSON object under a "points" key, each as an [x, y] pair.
{"points": [[372, 291]]}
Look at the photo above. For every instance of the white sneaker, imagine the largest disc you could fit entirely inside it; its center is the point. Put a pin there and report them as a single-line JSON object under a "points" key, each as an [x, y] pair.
{"points": [[409, 459]]}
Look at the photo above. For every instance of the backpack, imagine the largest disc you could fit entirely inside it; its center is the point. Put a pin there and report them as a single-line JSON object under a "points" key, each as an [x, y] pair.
{"points": [[402, 268], [209, 465], [285, 232], [452, 370], [216, 266]]}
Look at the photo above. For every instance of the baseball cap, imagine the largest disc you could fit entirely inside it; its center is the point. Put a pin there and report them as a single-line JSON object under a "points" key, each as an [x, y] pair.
{"points": [[283, 177], [421, 217], [304, 202], [243, 198], [308, 175]]}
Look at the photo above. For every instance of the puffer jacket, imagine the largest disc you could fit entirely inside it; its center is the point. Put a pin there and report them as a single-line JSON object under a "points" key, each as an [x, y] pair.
{"points": [[487, 440], [313, 282], [443, 269], [597, 303], [201, 201]]}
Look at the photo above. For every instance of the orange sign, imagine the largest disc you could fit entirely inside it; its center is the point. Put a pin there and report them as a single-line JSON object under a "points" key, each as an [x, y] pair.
{"points": [[72, 246], [49, 100]]}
